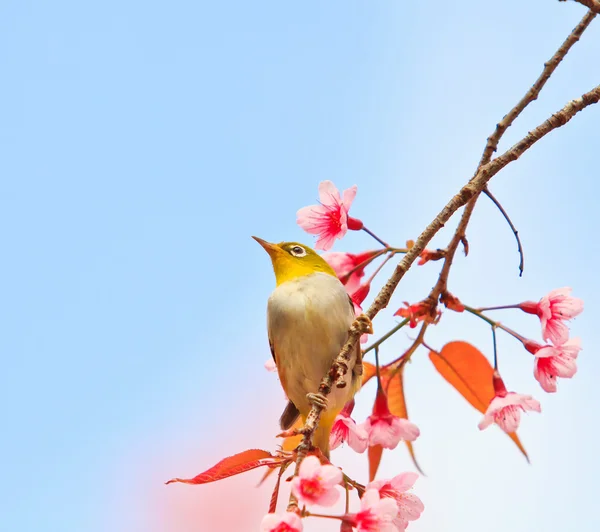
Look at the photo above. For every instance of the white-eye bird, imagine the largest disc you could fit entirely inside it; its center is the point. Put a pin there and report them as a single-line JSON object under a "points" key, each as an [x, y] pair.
{"points": [[309, 315]]}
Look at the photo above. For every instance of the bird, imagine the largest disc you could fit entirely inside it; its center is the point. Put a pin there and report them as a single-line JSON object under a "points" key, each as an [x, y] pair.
{"points": [[309, 316]]}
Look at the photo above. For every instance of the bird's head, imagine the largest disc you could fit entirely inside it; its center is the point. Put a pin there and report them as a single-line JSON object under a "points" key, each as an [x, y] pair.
{"points": [[292, 260]]}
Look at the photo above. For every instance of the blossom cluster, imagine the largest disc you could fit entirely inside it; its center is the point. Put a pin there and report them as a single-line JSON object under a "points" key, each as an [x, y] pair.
{"points": [[386, 505]]}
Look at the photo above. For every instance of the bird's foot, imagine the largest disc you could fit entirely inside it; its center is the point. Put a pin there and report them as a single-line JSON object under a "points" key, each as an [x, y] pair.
{"points": [[290, 433], [317, 399], [362, 325]]}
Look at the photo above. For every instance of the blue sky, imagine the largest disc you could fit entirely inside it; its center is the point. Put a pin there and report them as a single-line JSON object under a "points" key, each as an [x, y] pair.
{"points": [[142, 143]]}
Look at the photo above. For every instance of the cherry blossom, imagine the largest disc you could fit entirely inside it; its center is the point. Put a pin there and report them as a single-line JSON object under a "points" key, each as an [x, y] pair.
{"points": [[384, 428], [345, 429], [376, 514], [506, 407], [409, 505], [329, 220], [287, 522], [553, 310], [554, 361], [316, 483], [343, 263]]}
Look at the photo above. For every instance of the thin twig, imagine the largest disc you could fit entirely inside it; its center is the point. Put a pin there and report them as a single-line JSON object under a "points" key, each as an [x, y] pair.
{"points": [[594, 5], [487, 192], [492, 145], [534, 91]]}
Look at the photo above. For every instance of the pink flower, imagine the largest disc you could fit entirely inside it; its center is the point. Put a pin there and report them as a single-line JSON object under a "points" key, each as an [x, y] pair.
{"points": [[553, 310], [386, 429], [506, 407], [345, 429], [556, 361], [410, 506], [375, 515], [288, 522], [330, 219], [270, 365], [343, 263], [315, 483]]}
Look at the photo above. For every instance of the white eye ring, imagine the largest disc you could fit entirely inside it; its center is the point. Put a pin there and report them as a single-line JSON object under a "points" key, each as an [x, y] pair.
{"points": [[298, 251]]}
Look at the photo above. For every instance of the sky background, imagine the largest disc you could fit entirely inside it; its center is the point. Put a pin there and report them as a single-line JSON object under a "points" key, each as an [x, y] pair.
{"points": [[143, 143]]}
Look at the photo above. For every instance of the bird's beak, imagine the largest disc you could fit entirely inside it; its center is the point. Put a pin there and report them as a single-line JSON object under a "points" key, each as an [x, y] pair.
{"points": [[271, 249]]}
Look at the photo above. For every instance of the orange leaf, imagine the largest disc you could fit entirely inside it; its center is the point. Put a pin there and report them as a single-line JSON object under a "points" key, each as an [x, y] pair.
{"points": [[394, 388], [375, 453], [470, 373], [369, 370], [233, 465]]}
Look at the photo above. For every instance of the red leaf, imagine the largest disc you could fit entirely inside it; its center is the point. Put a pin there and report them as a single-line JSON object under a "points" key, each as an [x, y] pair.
{"points": [[394, 388], [375, 453], [275, 495], [470, 373], [233, 465]]}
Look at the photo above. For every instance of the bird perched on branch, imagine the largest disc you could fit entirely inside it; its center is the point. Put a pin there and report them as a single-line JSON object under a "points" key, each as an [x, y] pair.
{"points": [[309, 315]]}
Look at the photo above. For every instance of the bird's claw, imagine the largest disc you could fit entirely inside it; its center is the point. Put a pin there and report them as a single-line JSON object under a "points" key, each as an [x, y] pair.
{"points": [[290, 433], [317, 399], [362, 325]]}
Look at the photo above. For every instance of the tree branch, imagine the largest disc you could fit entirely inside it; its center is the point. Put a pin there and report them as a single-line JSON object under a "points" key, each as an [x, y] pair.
{"points": [[492, 145], [593, 5], [468, 192]]}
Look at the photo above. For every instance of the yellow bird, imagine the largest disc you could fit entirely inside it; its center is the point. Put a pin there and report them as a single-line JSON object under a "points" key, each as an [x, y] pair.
{"points": [[309, 315]]}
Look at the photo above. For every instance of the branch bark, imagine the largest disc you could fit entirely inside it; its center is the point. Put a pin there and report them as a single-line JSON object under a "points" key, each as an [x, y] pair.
{"points": [[593, 5]]}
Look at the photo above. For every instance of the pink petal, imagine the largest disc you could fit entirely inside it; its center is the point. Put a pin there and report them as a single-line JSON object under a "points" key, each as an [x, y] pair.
{"points": [[330, 476], [555, 331], [311, 218], [383, 434], [404, 481], [328, 193], [326, 240], [485, 422], [358, 439], [309, 467], [564, 366], [400, 524], [271, 522], [387, 509], [546, 380], [565, 291], [348, 196], [572, 347], [529, 403], [369, 499], [410, 506], [547, 351], [328, 498], [408, 431], [508, 419], [339, 433]]}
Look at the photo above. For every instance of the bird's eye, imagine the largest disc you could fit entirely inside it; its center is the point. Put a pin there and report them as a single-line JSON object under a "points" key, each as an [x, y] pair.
{"points": [[298, 251]]}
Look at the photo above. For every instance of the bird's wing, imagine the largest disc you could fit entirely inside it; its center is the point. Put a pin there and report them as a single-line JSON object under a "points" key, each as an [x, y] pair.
{"points": [[290, 413]]}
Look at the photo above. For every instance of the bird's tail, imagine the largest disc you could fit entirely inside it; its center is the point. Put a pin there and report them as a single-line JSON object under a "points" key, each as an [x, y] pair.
{"points": [[321, 435]]}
